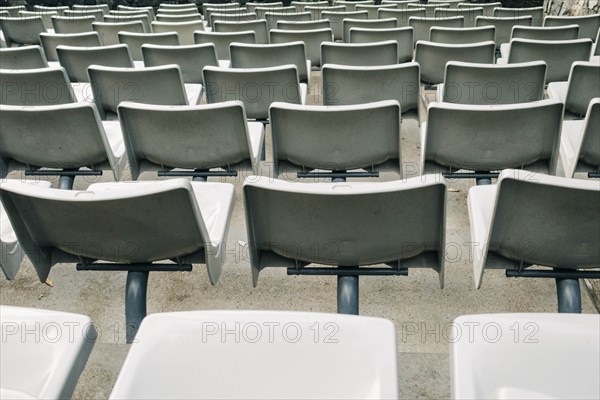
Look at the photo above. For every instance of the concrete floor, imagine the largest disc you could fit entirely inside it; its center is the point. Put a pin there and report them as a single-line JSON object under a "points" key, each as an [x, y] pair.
{"points": [[421, 311]]}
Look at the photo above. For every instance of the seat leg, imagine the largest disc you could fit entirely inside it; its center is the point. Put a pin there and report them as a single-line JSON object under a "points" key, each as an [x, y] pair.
{"points": [[568, 293], [135, 302], [347, 294], [483, 181], [65, 182]]}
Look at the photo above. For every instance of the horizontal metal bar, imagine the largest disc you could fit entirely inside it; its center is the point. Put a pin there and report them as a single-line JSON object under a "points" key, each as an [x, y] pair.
{"points": [[347, 271], [546, 273], [202, 174], [60, 172], [470, 175], [357, 174], [593, 174], [133, 267]]}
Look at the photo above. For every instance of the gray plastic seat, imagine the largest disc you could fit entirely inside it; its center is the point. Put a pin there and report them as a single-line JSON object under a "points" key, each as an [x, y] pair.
{"points": [[312, 41], [356, 85], [45, 16], [580, 142], [429, 8], [273, 18], [271, 4], [497, 137], [185, 30], [488, 8], [504, 26], [363, 54], [57, 226], [373, 9], [231, 17], [559, 55], [41, 86], [336, 20], [400, 4], [205, 6], [73, 24], [150, 85], [567, 32], [316, 11], [469, 14], [58, 9], [335, 138], [191, 59], [123, 9], [261, 12], [76, 60], [402, 36], [109, 31], [257, 88], [143, 18], [432, 57], [537, 13], [224, 11], [135, 41], [304, 25], [97, 13], [402, 16], [462, 35], [178, 18], [25, 57], [301, 5], [576, 93], [467, 83], [59, 137], [104, 7], [351, 4], [588, 24], [349, 23], [13, 11], [362, 352], [197, 138], [422, 26], [51, 41], [259, 27], [43, 352], [21, 30], [557, 210], [271, 55], [222, 40]]}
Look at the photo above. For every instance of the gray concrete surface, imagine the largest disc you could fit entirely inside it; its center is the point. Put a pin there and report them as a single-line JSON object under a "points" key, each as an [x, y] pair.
{"points": [[421, 311]]}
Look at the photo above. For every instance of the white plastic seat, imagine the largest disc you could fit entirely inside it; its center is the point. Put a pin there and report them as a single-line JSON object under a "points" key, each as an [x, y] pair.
{"points": [[462, 35], [43, 352], [335, 138], [185, 30], [580, 142], [191, 59], [41, 86], [21, 30], [316, 11], [273, 18], [353, 358], [51, 41], [251, 5], [588, 24], [204, 6], [261, 12], [232, 16], [400, 4], [221, 12], [161, 138], [46, 17], [222, 41], [497, 137], [576, 93], [429, 7], [504, 26], [537, 13], [469, 14], [567, 32], [179, 17], [257, 88], [402, 16], [301, 5], [127, 17], [134, 41], [123, 9], [336, 20], [373, 9], [304, 25], [91, 7], [73, 24], [360, 54], [76, 60], [259, 27], [151, 85], [422, 26], [13, 11], [349, 23], [312, 41], [488, 8], [109, 31], [530, 358], [402, 36], [24, 57], [351, 4]]}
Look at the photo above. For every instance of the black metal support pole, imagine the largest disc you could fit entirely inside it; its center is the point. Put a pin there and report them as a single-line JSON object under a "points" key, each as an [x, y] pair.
{"points": [[568, 294], [347, 294], [135, 302]]}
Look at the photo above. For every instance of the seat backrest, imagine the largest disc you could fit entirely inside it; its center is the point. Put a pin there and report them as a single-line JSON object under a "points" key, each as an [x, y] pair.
{"points": [[45, 15], [223, 11], [403, 36], [76, 60], [336, 20], [433, 57], [373, 9], [21, 30], [135, 41], [588, 24], [35, 87], [317, 10], [304, 25], [336, 138], [402, 16], [178, 18], [488, 8], [558, 55], [147, 9], [356, 85], [590, 147], [222, 40], [365, 54], [51, 41], [497, 136], [252, 5], [584, 85], [537, 13], [192, 137], [349, 23], [211, 5], [261, 12], [351, 4], [467, 83], [54, 136], [257, 88], [143, 18], [503, 26], [422, 26], [462, 35], [429, 8], [13, 11], [58, 9], [276, 211], [301, 5], [469, 14], [109, 31], [270, 55], [26, 57], [312, 41], [97, 13], [400, 4], [259, 27], [566, 32], [151, 85], [273, 17], [191, 59], [185, 30], [232, 17], [104, 7], [73, 24]]}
